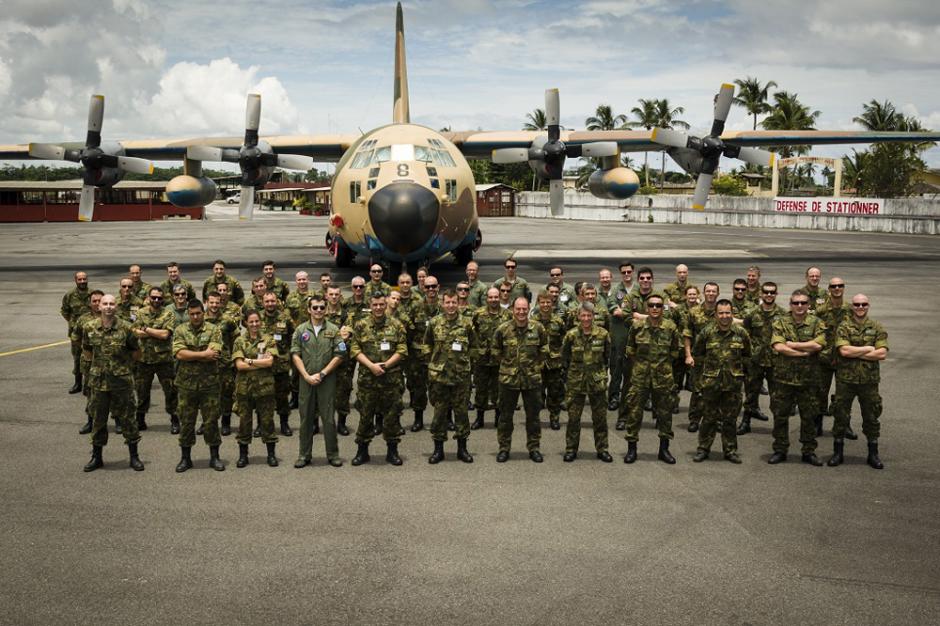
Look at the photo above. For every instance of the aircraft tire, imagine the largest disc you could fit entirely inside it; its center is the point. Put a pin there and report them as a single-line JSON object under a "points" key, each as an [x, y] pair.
{"points": [[342, 254]]}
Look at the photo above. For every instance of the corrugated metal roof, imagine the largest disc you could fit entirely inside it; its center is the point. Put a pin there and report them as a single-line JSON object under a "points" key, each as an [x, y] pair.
{"points": [[69, 185]]}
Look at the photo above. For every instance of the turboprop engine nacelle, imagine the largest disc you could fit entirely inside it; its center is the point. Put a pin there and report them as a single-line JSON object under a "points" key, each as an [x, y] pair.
{"points": [[618, 183], [188, 192]]}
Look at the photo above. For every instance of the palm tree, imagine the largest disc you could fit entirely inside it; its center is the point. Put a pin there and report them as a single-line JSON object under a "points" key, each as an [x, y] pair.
{"points": [[536, 120], [666, 118], [788, 113], [753, 97], [852, 168], [646, 117], [604, 119], [879, 116]]}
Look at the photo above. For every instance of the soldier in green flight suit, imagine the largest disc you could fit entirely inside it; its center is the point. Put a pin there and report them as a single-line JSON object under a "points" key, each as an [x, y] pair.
{"points": [[759, 325], [585, 354], [652, 346], [450, 341], [723, 348], [154, 329], [229, 326], [553, 378], [75, 303], [521, 347], [862, 344], [253, 354], [296, 305], [519, 288], [318, 348], [236, 293], [197, 346], [379, 343], [621, 321], [832, 312], [111, 349], [277, 323], [78, 335], [798, 337], [486, 368]]}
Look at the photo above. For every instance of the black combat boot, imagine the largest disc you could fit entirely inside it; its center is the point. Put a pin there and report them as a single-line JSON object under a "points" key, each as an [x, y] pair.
{"points": [[700, 455], [77, 387], [242, 455], [756, 414], [693, 427], [419, 421], [392, 455], [478, 422], [362, 455], [95, 461], [84, 430], [818, 420], [285, 427], [462, 453], [613, 402], [745, 426], [226, 425], [621, 424], [838, 446], [186, 461], [118, 428], [341, 427], [777, 457], [141, 421], [135, 462], [664, 455], [272, 457], [630, 456], [873, 459], [294, 400], [811, 459], [554, 422], [174, 424], [214, 461], [438, 455]]}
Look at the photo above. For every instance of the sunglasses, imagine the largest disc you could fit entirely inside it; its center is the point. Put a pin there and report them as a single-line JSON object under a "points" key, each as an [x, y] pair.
{"points": [[740, 288], [654, 305], [358, 286], [799, 302], [860, 305], [505, 290], [510, 267], [463, 288], [427, 286], [318, 307], [554, 275], [769, 293], [839, 286], [627, 272], [156, 297], [375, 271]]}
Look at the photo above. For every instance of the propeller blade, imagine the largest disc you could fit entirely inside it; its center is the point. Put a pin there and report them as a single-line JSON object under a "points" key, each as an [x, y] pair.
{"points": [[722, 106], [95, 113], [253, 112], [669, 137], [47, 151], [702, 187], [510, 155], [556, 195], [133, 164], [756, 156], [86, 206], [600, 149], [294, 162], [204, 153], [246, 204], [552, 114]]}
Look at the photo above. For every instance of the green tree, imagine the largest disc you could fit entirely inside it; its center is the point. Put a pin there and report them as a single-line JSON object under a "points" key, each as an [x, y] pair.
{"points": [[666, 118], [788, 113], [753, 97], [729, 185], [604, 119], [535, 120], [646, 117]]}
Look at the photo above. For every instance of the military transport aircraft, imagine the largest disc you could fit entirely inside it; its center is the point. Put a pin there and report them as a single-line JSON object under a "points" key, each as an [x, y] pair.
{"points": [[404, 193]]}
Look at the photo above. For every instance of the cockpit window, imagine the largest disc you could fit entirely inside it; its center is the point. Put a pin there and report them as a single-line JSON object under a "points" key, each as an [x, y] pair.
{"points": [[403, 152], [383, 154]]}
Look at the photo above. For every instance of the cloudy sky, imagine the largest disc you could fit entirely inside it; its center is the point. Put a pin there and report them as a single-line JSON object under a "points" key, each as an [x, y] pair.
{"points": [[172, 68]]}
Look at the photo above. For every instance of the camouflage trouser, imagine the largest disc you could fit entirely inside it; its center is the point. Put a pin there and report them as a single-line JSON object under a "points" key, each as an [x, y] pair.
{"points": [[825, 374], [720, 411], [663, 401], [76, 349], [868, 399], [282, 392], [532, 402], [486, 381], [246, 406], [227, 380], [316, 402], [143, 377], [756, 374], [446, 398], [679, 369], [115, 403], [553, 388], [782, 400], [618, 364], [575, 402], [416, 379], [192, 402], [379, 396], [84, 364], [344, 385], [695, 401]]}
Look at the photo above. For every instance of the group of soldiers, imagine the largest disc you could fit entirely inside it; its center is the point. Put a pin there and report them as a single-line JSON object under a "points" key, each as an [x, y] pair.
{"points": [[621, 346]]}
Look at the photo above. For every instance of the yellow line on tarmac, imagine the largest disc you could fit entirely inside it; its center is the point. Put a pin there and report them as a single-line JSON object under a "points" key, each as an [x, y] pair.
{"points": [[45, 345]]}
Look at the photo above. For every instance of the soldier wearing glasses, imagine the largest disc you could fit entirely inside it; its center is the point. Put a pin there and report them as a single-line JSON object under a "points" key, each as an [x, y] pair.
{"points": [[621, 320], [759, 325], [832, 312]]}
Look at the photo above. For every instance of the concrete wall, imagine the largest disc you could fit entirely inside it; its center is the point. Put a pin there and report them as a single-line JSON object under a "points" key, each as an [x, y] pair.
{"points": [[909, 215]]}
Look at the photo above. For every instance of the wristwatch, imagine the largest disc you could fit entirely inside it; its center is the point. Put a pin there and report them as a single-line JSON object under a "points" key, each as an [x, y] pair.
{"points": [[250, 362]]}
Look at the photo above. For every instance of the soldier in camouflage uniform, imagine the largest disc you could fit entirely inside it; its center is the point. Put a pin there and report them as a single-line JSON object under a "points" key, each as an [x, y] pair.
{"points": [[356, 309], [585, 354], [798, 337], [723, 349], [567, 296], [553, 376], [154, 329], [197, 346], [862, 344], [141, 288], [379, 344], [78, 335], [486, 366], [601, 317], [376, 284], [450, 341], [817, 295], [478, 289], [679, 315], [741, 307], [229, 326], [236, 293], [254, 300], [621, 321], [634, 305], [272, 283], [318, 349], [230, 308], [277, 323], [415, 366], [698, 318], [179, 305], [254, 353], [519, 288], [74, 305], [174, 279], [336, 315], [521, 347], [296, 305], [128, 303], [111, 348], [752, 277], [652, 346], [832, 312], [759, 325], [676, 290]]}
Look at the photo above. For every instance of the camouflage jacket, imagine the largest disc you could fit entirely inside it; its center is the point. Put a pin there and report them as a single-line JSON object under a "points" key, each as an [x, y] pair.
{"points": [[281, 329], [235, 292], [753, 296], [450, 343], [296, 305], [759, 325], [142, 291], [586, 357], [167, 287], [619, 299], [413, 307], [653, 351], [520, 288], [280, 288], [75, 303], [229, 326], [154, 350], [601, 317], [356, 311], [555, 329], [477, 297], [378, 340], [723, 354], [817, 297], [111, 365], [485, 325], [78, 335], [791, 370], [697, 319], [868, 333], [676, 292], [741, 308], [127, 309], [832, 316], [196, 375], [372, 288], [259, 382], [520, 352]]}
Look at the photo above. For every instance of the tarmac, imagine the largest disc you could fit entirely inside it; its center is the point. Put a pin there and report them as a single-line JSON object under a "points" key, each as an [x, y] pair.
{"points": [[487, 543]]}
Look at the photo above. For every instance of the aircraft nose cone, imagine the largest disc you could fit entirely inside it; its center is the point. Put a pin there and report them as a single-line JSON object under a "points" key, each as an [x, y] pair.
{"points": [[403, 216]]}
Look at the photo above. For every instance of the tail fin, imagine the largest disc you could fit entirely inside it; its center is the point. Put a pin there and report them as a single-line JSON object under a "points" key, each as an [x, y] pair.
{"points": [[400, 112]]}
